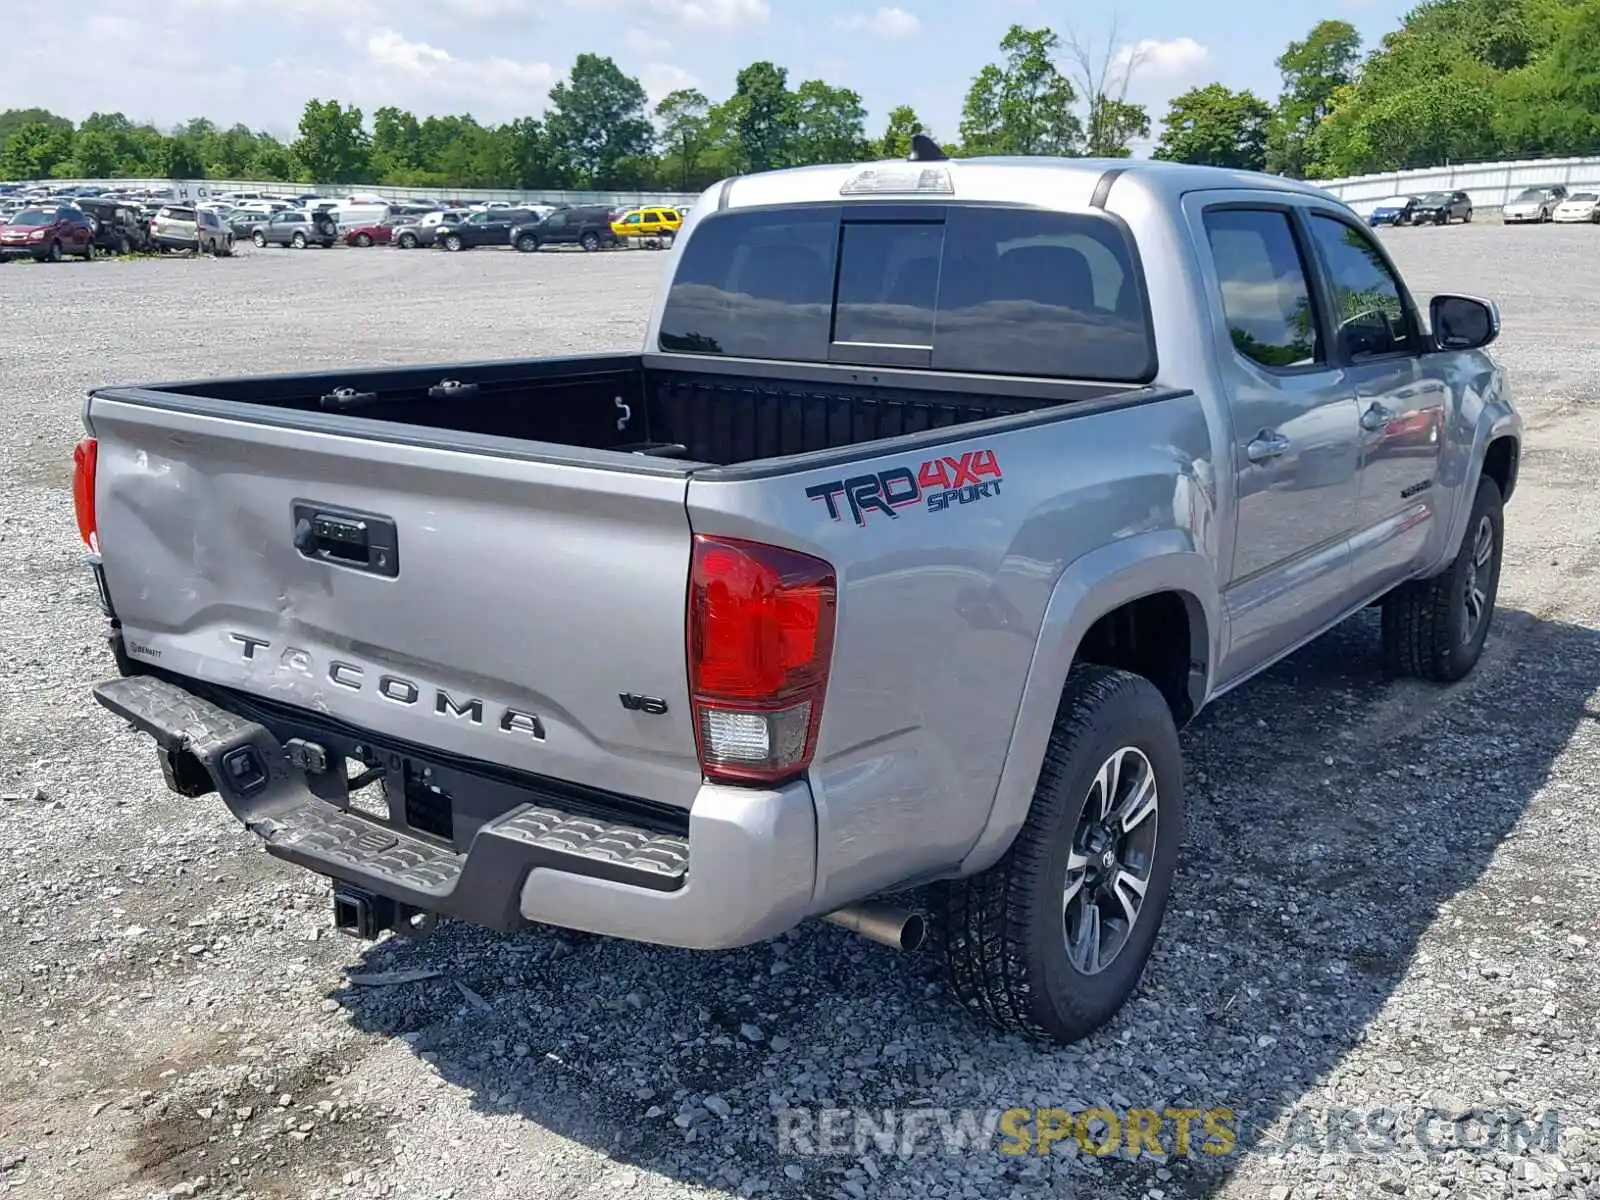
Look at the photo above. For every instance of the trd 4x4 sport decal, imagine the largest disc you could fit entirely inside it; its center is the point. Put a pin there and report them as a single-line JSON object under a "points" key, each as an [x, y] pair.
{"points": [[937, 484]]}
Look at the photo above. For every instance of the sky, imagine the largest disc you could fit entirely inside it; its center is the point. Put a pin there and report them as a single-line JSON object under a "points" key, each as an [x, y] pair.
{"points": [[258, 61]]}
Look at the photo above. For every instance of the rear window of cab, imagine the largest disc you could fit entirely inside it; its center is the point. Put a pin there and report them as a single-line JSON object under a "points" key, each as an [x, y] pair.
{"points": [[981, 289]]}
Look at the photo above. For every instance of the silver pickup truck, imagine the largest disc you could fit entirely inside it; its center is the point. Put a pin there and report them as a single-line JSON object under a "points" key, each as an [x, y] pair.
{"points": [[941, 495]]}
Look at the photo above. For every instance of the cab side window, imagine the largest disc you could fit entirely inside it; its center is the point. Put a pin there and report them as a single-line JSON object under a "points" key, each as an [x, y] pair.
{"points": [[1370, 318], [1271, 318]]}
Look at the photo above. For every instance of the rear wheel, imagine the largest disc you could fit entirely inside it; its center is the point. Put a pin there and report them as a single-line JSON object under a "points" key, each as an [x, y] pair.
{"points": [[408, 241], [1053, 939], [299, 241], [590, 241], [259, 238], [527, 243], [1435, 628], [123, 245], [363, 239], [452, 242]]}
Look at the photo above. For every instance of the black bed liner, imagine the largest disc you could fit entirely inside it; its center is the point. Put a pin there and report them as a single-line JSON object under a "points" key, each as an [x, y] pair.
{"points": [[664, 417]]}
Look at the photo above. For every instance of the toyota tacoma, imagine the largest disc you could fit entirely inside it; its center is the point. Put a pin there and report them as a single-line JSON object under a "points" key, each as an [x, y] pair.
{"points": [[941, 495]]}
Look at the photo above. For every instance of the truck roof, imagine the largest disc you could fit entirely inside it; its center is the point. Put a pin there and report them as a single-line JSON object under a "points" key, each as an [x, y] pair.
{"points": [[1064, 182]]}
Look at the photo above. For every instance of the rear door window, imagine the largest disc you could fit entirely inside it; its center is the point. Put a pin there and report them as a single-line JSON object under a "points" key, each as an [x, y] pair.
{"points": [[990, 290]]}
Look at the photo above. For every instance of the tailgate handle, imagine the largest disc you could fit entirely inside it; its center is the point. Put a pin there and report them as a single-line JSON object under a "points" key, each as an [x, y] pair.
{"points": [[341, 537]]}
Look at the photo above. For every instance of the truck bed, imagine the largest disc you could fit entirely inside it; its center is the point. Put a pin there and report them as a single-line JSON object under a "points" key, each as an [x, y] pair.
{"points": [[624, 404]]}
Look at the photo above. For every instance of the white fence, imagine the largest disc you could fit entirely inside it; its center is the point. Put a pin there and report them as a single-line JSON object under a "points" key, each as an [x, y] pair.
{"points": [[1489, 184], [200, 189]]}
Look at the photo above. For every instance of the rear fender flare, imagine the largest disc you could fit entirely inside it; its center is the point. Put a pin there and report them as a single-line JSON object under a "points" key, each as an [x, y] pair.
{"points": [[1092, 586]]}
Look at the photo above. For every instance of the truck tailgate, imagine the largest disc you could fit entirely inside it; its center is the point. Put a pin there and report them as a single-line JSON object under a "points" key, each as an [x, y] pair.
{"points": [[510, 610]]}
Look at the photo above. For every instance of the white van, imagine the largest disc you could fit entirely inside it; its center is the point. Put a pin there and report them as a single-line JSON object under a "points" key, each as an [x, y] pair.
{"points": [[351, 214]]}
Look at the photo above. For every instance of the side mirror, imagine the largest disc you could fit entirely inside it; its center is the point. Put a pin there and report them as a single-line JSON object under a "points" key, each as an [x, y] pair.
{"points": [[1463, 322]]}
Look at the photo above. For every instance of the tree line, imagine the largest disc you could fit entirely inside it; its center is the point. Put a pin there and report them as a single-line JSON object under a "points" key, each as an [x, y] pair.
{"points": [[1459, 80]]}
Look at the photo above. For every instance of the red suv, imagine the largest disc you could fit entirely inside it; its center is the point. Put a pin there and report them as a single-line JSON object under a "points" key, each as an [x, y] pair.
{"points": [[46, 235]]}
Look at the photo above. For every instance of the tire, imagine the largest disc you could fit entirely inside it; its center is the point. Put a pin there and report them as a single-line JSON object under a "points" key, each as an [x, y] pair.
{"points": [[407, 241], [298, 241], [124, 246], [54, 253], [1004, 933], [527, 243], [227, 247], [590, 241], [1435, 628], [88, 253], [259, 238], [1467, 217], [452, 243], [363, 240]]}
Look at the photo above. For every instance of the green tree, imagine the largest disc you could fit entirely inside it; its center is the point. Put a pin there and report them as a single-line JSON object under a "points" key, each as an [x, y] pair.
{"points": [[1313, 72], [896, 139], [1216, 126], [596, 120], [1022, 105], [94, 155], [761, 118], [830, 124], [332, 146], [527, 152], [272, 160], [35, 150], [180, 158], [13, 119], [396, 143], [1102, 77], [685, 127], [1112, 125]]}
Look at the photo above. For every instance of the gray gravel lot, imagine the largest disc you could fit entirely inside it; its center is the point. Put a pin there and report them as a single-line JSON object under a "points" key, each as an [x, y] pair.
{"points": [[1388, 904]]}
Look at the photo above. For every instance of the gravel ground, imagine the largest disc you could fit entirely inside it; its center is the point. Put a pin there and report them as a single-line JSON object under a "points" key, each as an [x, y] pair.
{"points": [[1387, 908]]}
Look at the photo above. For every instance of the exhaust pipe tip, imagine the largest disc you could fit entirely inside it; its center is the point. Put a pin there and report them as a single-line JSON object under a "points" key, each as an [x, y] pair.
{"points": [[899, 928]]}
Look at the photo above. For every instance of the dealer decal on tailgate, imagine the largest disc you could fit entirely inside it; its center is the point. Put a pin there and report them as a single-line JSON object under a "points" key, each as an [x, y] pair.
{"points": [[938, 484]]}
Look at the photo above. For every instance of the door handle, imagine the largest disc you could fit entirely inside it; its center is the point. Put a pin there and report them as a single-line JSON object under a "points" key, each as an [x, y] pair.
{"points": [[1267, 445], [1376, 417]]}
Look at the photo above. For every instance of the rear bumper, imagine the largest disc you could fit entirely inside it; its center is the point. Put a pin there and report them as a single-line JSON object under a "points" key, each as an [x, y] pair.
{"points": [[745, 870]]}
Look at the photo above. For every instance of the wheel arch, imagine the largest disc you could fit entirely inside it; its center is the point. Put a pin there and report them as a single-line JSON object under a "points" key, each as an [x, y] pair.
{"points": [[1142, 584]]}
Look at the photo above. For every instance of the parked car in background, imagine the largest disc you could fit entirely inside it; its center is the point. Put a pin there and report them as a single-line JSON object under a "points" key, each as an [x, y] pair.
{"points": [[351, 214], [647, 223], [588, 226], [242, 222], [486, 227], [47, 234], [424, 231], [1440, 208], [1533, 204], [1396, 210], [118, 226], [184, 227], [297, 229], [1580, 206], [378, 234]]}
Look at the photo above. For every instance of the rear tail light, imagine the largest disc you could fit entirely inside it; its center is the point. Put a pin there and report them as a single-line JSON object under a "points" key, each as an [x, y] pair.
{"points": [[85, 458], [761, 623]]}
